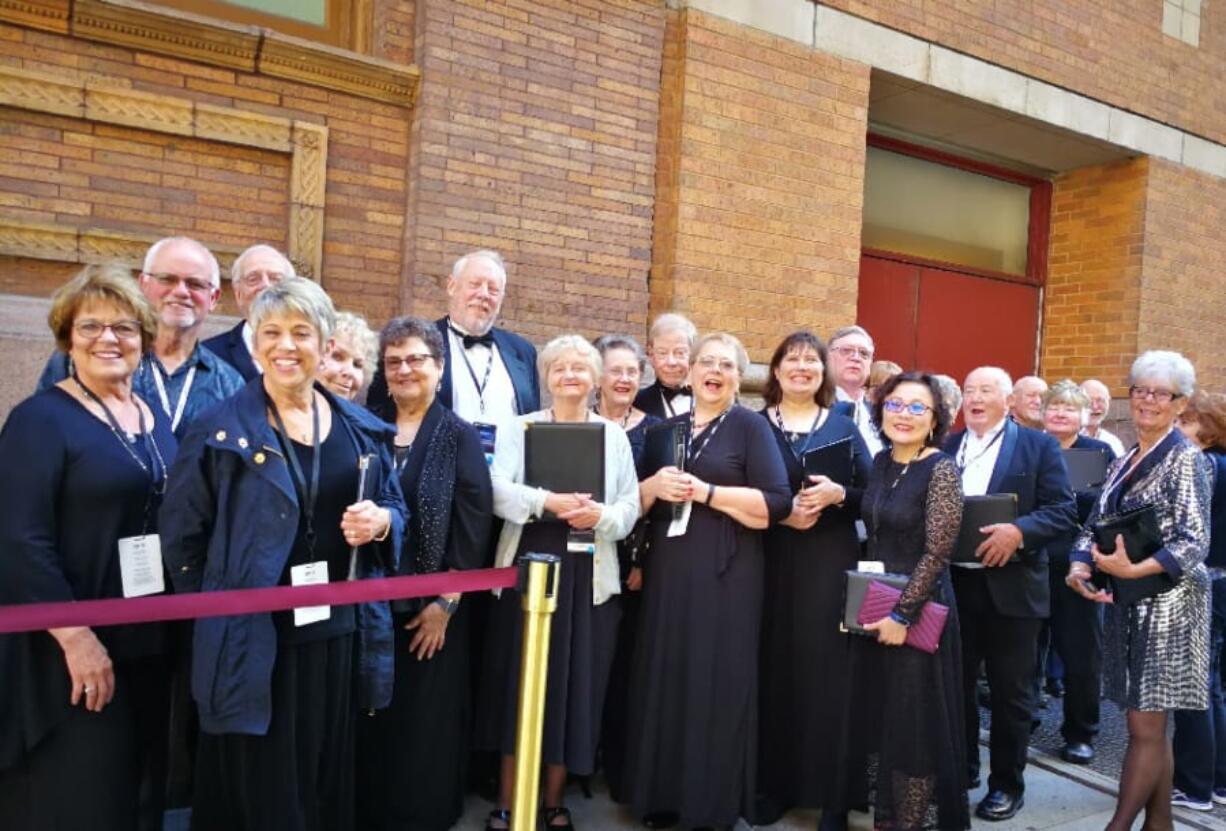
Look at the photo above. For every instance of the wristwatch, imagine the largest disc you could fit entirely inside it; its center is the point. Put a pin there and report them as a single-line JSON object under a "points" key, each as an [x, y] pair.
{"points": [[448, 606]]}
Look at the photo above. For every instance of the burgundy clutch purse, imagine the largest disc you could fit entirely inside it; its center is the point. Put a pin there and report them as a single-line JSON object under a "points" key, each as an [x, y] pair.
{"points": [[924, 634]]}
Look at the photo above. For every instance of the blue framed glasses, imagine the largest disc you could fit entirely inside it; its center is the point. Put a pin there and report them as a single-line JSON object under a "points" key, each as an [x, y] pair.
{"points": [[897, 405]]}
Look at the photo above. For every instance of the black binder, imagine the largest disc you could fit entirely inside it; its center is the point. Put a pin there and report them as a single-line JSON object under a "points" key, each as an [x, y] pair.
{"points": [[1142, 537], [1087, 467], [854, 587], [565, 458], [664, 445], [978, 511], [832, 460]]}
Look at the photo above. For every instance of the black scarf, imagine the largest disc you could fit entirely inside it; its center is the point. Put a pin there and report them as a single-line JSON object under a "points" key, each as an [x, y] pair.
{"points": [[435, 489]]}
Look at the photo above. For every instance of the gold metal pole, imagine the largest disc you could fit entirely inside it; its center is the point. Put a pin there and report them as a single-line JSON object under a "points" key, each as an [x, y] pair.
{"points": [[538, 581]]}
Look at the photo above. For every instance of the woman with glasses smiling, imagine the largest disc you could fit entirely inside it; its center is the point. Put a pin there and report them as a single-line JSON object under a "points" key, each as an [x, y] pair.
{"points": [[1156, 650], [412, 756], [905, 706], [691, 755], [83, 711]]}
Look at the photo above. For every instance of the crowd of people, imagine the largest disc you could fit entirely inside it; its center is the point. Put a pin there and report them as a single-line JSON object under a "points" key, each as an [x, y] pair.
{"points": [[699, 655]]}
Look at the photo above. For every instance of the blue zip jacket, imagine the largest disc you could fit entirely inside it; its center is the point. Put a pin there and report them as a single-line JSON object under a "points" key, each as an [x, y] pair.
{"points": [[228, 521]]}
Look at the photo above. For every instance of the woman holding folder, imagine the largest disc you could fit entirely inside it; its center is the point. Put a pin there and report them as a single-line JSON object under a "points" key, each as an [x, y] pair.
{"points": [[804, 654], [265, 492], [1156, 648], [692, 752], [905, 705], [584, 532]]}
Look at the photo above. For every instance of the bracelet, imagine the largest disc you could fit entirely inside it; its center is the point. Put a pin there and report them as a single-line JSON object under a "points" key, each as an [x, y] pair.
{"points": [[710, 494], [386, 530]]}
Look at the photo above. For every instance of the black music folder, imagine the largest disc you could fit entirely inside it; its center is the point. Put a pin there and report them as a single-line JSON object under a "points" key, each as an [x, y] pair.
{"points": [[565, 458], [664, 445], [832, 460], [854, 586], [1087, 467], [978, 511], [1142, 537]]}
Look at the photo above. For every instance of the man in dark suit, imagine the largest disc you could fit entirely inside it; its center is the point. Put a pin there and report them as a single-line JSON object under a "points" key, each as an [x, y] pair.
{"points": [[1004, 597], [254, 270], [670, 343]]}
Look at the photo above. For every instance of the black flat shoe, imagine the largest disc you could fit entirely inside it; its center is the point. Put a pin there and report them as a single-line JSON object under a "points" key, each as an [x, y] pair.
{"points": [[1078, 753], [499, 816], [547, 819], [832, 821], [998, 806], [661, 819]]}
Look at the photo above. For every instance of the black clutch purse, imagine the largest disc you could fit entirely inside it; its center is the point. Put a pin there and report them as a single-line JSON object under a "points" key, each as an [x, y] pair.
{"points": [[1142, 537]]}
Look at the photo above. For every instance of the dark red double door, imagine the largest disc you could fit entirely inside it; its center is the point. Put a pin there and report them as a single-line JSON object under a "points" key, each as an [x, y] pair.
{"points": [[946, 321]]}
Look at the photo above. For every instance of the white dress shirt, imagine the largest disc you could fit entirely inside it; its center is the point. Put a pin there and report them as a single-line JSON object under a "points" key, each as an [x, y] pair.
{"points": [[1112, 440], [976, 457], [518, 503], [862, 415], [493, 405], [249, 342]]}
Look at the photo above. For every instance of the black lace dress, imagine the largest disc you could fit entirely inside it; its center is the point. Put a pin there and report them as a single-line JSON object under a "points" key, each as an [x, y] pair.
{"points": [[905, 707]]}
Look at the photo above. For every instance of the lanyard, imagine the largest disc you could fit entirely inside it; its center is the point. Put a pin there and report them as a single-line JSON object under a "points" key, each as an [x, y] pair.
{"points": [[308, 493], [484, 382], [695, 451], [156, 469], [963, 464], [820, 418], [177, 416]]}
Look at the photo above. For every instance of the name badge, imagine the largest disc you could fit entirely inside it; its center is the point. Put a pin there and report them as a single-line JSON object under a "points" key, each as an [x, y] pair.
{"points": [[140, 565], [581, 542], [678, 526], [310, 574], [871, 566], [488, 434]]}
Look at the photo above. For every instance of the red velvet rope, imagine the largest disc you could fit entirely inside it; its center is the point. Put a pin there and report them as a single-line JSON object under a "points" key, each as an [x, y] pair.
{"points": [[112, 611]]}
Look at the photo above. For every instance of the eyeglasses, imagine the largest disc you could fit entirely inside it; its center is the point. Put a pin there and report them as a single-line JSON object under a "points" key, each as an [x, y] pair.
{"points": [[681, 353], [897, 405], [93, 329], [852, 351], [414, 362], [253, 279], [1160, 396], [169, 281], [725, 366]]}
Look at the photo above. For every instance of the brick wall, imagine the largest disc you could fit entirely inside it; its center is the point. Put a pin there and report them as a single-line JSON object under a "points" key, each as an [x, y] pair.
{"points": [[1113, 51], [394, 30], [761, 182], [536, 135], [1183, 293], [1091, 304]]}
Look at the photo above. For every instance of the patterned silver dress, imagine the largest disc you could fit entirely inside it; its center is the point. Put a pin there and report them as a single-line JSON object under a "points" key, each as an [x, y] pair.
{"points": [[1156, 654]]}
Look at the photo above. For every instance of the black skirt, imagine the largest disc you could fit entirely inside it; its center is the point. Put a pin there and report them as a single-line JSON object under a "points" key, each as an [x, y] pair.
{"points": [[582, 640], [299, 776], [412, 758]]}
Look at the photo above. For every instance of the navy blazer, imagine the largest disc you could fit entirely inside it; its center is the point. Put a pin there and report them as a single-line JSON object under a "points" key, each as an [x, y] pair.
{"points": [[1217, 526], [517, 354], [228, 521], [1031, 465], [229, 346]]}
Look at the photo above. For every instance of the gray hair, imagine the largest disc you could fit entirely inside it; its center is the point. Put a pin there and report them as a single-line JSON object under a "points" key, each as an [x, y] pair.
{"points": [[951, 393], [606, 342], [1066, 392], [209, 260], [1167, 366], [673, 322], [296, 295], [731, 341], [236, 268], [565, 343], [853, 329], [492, 257], [1003, 379], [364, 341]]}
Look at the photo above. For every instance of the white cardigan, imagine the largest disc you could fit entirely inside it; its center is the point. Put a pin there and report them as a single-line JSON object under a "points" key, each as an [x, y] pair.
{"points": [[517, 503]]}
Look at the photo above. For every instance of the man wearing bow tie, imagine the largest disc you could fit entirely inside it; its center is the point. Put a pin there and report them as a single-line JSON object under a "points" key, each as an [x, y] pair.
{"points": [[669, 346], [851, 358]]}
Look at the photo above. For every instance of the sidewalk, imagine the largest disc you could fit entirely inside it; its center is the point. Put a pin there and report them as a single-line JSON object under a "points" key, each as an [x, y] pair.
{"points": [[1058, 796]]}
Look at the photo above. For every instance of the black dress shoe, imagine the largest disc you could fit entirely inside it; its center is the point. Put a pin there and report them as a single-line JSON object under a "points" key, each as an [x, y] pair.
{"points": [[832, 821], [1079, 753], [767, 810], [973, 781], [998, 805], [1055, 687], [661, 819]]}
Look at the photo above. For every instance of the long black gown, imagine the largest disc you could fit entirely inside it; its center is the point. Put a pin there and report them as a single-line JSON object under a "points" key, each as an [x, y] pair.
{"points": [[804, 653], [412, 757], [694, 709], [905, 706]]}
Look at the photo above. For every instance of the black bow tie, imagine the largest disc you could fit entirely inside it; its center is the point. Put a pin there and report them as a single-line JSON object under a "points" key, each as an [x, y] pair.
{"points": [[670, 393], [469, 341]]}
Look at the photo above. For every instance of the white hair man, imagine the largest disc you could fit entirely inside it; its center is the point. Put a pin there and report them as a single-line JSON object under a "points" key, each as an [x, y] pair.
{"points": [[1027, 406], [1100, 402], [254, 270], [1003, 594], [670, 343], [851, 359], [182, 282]]}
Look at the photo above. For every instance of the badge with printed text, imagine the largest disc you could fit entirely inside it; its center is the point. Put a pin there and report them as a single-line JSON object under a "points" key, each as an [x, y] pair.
{"points": [[310, 574], [140, 565]]}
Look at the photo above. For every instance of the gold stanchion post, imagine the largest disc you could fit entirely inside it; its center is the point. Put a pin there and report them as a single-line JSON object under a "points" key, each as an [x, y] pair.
{"points": [[538, 581]]}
